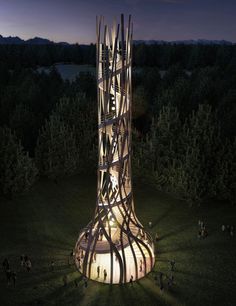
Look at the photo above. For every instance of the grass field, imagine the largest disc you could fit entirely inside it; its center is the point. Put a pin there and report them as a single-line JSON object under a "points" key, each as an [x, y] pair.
{"points": [[44, 224]]}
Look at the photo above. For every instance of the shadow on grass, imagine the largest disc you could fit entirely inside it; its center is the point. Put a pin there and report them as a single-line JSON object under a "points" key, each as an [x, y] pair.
{"points": [[192, 248], [62, 295], [177, 231], [162, 217]]}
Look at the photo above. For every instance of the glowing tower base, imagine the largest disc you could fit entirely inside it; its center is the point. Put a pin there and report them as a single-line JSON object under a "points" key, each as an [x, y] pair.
{"points": [[114, 247]]}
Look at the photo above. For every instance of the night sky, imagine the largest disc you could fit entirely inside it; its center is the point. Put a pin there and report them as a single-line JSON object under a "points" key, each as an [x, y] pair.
{"points": [[74, 20]]}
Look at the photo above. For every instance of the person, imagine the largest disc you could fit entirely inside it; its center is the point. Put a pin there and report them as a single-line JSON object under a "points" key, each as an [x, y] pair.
{"points": [[5, 264], [28, 264], [65, 279], [161, 281], [101, 234], [223, 228], [156, 237], [172, 265], [170, 281], [131, 280], [141, 265], [22, 260], [156, 279], [98, 271], [85, 282], [79, 262], [8, 275], [202, 233], [52, 265], [13, 276], [105, 274]]}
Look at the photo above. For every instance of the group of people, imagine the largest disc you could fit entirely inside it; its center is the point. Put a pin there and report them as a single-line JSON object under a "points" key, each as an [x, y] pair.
{"points": [[11, 275], [104, 273], [228, 229], [202, 231], [170, 278], [26, 262]]}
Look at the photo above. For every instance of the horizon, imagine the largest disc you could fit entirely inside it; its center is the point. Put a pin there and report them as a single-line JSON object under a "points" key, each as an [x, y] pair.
{"points": [[73, 43], [74, 21]]}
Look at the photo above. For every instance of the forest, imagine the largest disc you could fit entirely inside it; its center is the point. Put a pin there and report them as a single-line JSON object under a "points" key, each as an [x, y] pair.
{"points": [[184, 118]]}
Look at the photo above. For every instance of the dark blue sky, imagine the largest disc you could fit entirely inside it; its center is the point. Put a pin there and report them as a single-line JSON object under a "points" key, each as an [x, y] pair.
{"points": [[74, 20]]}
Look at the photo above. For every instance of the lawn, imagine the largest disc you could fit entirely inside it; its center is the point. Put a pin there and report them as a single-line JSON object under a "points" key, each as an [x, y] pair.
{"points": [[44, 224]]}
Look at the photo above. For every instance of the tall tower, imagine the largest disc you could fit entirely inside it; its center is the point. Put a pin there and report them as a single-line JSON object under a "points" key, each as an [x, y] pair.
{"points": [[114, 246]]}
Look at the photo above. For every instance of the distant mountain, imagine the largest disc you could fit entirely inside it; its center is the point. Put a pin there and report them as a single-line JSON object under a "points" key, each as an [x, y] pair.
{"points": [[184, 42], [15, 40]]}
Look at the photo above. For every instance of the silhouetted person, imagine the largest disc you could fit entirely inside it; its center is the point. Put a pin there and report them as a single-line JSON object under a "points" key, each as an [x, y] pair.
{"points": [[22, 260], [52, 265], [65, 280], [161, 281], [101, 234], [131, 280], [79, 262], [172, 265], [105, 274], [5, 264], [8, 275], [28, 265], [85, 282], [170, 281], [98, 271], [156, 237], [13, 277], [141, 266], [86, 236]]}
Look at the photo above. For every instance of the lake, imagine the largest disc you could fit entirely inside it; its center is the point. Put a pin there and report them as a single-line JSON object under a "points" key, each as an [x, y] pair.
{"points": [[70, 71]]}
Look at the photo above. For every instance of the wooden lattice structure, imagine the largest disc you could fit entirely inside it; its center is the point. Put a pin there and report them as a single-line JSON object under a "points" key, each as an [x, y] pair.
{"points": [[114, 247]]}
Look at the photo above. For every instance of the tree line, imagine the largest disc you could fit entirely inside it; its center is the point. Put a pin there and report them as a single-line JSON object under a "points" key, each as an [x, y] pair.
{"points": [[162, 56], [183, 124]]}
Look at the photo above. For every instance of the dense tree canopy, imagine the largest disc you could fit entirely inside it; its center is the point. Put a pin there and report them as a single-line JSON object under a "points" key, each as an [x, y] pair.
{"points": [[184, 114]]}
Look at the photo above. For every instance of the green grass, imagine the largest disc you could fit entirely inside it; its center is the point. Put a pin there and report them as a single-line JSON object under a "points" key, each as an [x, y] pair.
{"points": [[44, 224]]}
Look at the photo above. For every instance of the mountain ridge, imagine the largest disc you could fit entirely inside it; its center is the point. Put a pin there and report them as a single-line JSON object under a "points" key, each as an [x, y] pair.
{"points": [[15, 40]]}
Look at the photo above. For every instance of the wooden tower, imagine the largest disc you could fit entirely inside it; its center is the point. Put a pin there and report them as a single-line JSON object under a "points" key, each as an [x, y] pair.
{"points": [[114, 246]]}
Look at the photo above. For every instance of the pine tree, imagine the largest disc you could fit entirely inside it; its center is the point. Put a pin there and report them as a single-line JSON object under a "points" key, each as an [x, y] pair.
{"points": [[163, 146], [80, 114], [197, 156], [56, 152], [17, 170]]}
